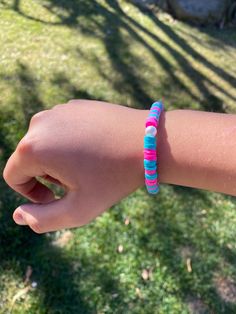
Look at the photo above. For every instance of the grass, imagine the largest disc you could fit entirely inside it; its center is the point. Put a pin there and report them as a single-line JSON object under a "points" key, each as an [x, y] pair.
{"points": [[174, 253]]}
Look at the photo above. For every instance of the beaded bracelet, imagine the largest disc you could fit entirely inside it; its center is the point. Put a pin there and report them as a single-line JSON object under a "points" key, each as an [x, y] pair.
{"points": [[150, 145]]}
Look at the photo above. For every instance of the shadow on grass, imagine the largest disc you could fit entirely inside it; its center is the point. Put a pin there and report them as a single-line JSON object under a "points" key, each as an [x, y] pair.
{"points": [[53, 270], [111, 31], [181, 234], [201, 81]]}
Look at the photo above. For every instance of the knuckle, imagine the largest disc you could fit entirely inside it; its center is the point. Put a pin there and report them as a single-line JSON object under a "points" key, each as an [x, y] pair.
{"points": [[72, 101], [59, 106], [76, 101], [26, 146], [38, 116], [5, 174], [37, 227]]}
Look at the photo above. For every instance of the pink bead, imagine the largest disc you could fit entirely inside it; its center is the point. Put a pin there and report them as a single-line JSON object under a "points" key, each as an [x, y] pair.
{"points": [[151, 158], [149, 151], [156, 108], [151, 121], [154, 181], [150, 182], [150, 172]]}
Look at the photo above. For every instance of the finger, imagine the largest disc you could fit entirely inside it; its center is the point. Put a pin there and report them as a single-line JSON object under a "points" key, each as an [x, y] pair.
{"points": [[43, 218], [20, 172], [35, 191]]}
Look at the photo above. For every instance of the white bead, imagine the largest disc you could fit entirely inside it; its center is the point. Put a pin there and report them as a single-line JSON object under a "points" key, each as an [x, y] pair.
{"points": [[151, 131]]}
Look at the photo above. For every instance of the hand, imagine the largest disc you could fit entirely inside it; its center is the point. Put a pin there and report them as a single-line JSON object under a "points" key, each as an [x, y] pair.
{"points": [[93, 149]]}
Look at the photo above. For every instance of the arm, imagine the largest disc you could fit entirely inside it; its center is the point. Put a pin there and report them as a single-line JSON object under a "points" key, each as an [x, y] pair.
{"points": [[95, 150], [198, 149]]}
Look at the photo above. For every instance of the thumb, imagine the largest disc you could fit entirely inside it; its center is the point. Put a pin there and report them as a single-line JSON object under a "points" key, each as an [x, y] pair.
{"points": [[43, 218]]}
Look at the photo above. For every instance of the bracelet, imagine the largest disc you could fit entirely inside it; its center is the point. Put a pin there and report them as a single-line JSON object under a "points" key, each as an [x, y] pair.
{"points": [[150, 145]]}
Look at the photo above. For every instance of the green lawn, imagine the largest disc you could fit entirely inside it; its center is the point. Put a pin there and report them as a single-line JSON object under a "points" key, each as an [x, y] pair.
{"points": [[171, 253]]}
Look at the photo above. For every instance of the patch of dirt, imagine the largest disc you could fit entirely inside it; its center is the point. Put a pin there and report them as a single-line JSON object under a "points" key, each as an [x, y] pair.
{"points": [[65, 237], [196, 306], [226, 288]]}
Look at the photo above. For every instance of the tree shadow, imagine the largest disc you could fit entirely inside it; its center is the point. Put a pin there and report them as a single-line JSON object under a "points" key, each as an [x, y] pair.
{"points": [[53, 269], [214, 30], [70, 91], [200, 80], [110, 29], [196, 55], [180, 232], [51, 263]]}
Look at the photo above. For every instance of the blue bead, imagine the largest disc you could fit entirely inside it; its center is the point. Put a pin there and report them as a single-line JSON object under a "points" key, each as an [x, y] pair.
{"points": [[152, 190], [158, 104], [151, 176], [154, 144], [149, 163], [150, 135], [150, 147], [149, 140], [150, 168]]}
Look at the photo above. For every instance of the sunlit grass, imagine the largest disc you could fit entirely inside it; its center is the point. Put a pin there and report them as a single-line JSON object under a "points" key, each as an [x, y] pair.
{"points": [[166, 254]]}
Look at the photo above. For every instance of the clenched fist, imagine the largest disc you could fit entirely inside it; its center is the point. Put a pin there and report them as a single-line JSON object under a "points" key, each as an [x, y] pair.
{"points": [[93, 149]]}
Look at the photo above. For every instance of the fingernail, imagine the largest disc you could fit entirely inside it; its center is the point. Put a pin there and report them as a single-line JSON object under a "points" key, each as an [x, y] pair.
{"points": [[18, 218]]}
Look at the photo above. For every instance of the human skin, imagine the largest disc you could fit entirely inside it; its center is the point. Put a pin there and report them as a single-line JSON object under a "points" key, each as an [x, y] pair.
{"points": [[95, 151]]}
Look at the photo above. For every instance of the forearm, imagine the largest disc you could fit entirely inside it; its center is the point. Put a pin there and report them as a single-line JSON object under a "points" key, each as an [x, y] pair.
{"points": [[198, 149], [95, 150]]}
